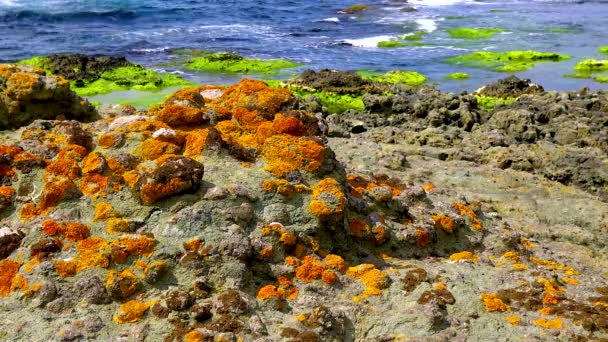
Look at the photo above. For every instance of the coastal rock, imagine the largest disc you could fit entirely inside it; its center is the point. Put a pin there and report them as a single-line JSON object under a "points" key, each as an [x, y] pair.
{"points": [[27, 94], [510, 87]]}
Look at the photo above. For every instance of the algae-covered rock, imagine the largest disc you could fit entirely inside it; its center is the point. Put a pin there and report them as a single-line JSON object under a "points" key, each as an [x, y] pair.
{"points": [[410, 78], [509, 61], [473, 33], [27, 94], [233, 63], [358, 8], [390, 44]]}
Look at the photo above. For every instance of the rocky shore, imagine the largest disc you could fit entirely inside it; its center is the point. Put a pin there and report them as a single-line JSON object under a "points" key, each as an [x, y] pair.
{"points": [[367, 208]]}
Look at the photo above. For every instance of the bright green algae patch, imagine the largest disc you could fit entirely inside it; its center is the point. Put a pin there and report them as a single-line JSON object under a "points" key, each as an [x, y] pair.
{"points": [[474, 33], [335, 103], [457, 76], [118, 79], [129, 77], [488, 102], [410, 78], [389, 44], [603, 49], [418, 35], [591, 65], [228, 62], [508, 61]]}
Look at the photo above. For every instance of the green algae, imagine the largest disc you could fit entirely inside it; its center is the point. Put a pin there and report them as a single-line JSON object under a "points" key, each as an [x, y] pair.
{"points": [[509, 61], [232, 63], [488, 102], [601, 79], [129, 77], [41, 62], [390, 44], [603, 49], [418, 35], [591, 65], [356, 9], [410, 78], [474, 33], [457, 76], [335, 103]]}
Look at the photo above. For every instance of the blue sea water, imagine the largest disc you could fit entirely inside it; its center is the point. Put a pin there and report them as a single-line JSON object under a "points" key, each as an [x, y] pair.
{"points": [[313, 33]]}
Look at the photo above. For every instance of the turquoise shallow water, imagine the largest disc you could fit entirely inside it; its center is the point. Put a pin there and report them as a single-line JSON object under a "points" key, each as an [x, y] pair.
{"points": [[313, 33]]}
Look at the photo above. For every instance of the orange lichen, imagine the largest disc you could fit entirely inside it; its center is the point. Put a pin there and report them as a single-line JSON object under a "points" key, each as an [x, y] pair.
{"points": [[93, 162], [550, 286], [288, 239], [91, 252], [72, 152], [372, 278], [335, 262], [94, 184], [428, 187], [464, 256], [511, 256], [359, 228], [284, 154], [283, 187], [493, 303], [464, 210], [544, 311], [64, 167], [550, 298], [152, 192], [8, 273], [107, 140], [72, 231], [104, 211], [445, 223], [520, 267], [176, 115], [363, 184], [126, 280], [266, 253], [132, 245], [152, 149], [270, 291], [131, 311], [527, 244], [291, 261], [571, 281], [310, 269], [513, 320], [7, 193], [555, 266], [196, 140], [423, 238], [549, 324], [117, 225], [31, 265], [194, 336], [327, 198], [329, 277]]}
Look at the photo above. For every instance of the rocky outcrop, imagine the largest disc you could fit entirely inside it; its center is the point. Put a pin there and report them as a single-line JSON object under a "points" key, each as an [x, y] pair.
{"points": [[27, 94], [286, 234]]}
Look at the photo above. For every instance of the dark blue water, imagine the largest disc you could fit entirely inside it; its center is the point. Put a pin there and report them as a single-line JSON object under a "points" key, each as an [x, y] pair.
{"points": [[310, 32]]}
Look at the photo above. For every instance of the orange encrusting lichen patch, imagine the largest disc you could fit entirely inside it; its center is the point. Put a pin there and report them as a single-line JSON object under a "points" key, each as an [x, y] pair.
{"points": [[327, 198], [131, 311], [104, 211], [423, 238], [549, 324], [362, 184], [310, 269], [152, 192], [464, 210], [72, 231], [91, 252], [445, 223], [464, 256], [284, 154], [126, 279], [372, 278], [117, 225], [152, 149], [194, 336], [493, 303], [8, 276], [196, 140], [283, 187], [513, 320], [107, 140], [555, 266], [132, 245]]}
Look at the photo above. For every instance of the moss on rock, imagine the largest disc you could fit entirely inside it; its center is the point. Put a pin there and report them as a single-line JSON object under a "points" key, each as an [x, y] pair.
{"points": [[474, 33], [232, 63], [488, 102], [508, 61]]}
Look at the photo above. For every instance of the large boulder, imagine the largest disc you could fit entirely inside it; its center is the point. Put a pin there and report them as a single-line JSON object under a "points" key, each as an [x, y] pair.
{"points": [[27, 94]]}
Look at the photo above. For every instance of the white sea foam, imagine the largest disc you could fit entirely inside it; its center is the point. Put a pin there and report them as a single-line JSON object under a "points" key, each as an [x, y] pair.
{"points": [[369, 42], [331, 20], [428, 25]]}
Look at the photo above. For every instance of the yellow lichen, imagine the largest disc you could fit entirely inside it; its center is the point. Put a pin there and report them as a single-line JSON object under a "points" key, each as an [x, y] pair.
{"points": [[464, 210], [464, 256], [493, 303], [131, 311], [327, 198], [513, 320], [372, 278], [117, 225], [445, 223], [104, 211], [549, 324], [8, 274]]}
